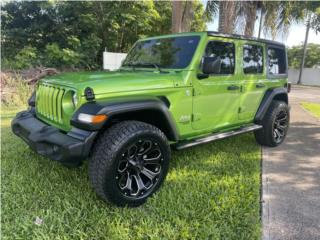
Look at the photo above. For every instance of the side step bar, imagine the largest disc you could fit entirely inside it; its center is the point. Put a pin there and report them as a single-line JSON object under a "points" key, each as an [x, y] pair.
{"points": [[216, 136]]}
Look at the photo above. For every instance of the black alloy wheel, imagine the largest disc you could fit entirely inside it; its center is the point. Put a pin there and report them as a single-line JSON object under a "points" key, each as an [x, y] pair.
{"points": [[280, 126], [139, 168]]}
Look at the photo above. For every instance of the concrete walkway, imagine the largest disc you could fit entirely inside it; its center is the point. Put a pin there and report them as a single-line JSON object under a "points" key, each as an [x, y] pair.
{"points": [[291, 176]]}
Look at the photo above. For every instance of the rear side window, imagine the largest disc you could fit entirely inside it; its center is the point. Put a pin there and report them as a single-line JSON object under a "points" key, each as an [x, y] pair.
{"points": [[226, 51], [252, 59], [277, 63]]}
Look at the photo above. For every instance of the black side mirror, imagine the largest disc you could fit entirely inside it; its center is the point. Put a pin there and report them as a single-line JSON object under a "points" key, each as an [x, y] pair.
{"points": [[211, 65]]}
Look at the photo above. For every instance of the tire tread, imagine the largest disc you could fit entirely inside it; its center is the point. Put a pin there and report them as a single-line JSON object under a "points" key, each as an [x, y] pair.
{"points": [[104, 153], [264, 136]]}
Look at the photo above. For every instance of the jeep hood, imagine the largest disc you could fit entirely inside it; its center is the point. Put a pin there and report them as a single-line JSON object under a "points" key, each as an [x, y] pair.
{"points": [[108, 82]]}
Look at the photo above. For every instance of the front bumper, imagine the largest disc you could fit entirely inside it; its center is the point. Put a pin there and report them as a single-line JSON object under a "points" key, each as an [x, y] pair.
{"points": [[71, 147]]}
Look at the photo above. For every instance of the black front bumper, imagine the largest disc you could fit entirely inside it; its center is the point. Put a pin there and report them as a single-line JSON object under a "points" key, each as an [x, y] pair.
{"points": [[71, 147]]}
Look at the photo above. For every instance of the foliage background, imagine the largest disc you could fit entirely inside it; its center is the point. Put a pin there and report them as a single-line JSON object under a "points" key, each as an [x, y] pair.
{"points": [[295, 54], [74, 35]]}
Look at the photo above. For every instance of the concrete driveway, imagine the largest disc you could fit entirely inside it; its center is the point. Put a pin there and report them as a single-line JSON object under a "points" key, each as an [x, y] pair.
{"points": [[291, 175]]}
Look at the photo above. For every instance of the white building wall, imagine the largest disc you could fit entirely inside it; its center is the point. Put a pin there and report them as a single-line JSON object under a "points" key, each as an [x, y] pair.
{"points": [[310, 76], [112, 61]]}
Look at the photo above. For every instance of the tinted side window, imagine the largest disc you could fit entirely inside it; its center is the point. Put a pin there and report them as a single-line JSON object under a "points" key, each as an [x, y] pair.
{"points": [[226, 51], [277, 61], [252, 59]]}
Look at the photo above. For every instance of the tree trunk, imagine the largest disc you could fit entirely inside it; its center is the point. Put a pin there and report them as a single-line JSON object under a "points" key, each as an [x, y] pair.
{"points": [[250, 15], [100, 13], [304, 49], [227, 16], [182, 15], [260, 21], [187, 17], [176, 16]]}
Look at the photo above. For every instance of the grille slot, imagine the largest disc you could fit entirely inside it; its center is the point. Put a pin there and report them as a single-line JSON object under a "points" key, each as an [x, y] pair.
{"points": [[49, 102]]}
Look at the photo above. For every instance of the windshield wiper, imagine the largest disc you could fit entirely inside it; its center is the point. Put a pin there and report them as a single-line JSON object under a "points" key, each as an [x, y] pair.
{"points": [[129, 65], [141, 64]]}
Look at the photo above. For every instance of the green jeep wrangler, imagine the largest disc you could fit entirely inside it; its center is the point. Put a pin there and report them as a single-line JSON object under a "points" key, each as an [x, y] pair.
{"points": [[171, 92]]}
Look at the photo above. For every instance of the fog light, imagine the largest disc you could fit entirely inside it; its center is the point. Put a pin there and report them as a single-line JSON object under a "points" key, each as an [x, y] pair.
{"points": [[55, 148], [94, 119]]}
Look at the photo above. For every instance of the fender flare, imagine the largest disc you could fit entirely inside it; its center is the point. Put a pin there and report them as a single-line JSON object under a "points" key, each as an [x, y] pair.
{"points": [[117, 107], [269, 96]]}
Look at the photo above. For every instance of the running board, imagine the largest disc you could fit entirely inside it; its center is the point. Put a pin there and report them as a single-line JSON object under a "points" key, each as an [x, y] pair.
{"points": [[216, 136]]}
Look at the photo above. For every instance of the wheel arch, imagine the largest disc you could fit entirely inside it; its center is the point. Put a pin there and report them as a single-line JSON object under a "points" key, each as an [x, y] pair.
{"points": [[154, 111], [279, 94]]}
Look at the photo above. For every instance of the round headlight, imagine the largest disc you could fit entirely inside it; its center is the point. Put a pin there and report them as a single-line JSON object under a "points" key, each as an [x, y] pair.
{"points": [[75, 99], [69, 101]]}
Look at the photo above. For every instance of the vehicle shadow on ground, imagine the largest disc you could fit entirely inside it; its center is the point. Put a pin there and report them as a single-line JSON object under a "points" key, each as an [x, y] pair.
{"points": [[226, 157]]}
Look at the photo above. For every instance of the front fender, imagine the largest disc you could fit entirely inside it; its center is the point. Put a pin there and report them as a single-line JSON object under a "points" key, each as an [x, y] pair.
{"points": [[150, 108]]}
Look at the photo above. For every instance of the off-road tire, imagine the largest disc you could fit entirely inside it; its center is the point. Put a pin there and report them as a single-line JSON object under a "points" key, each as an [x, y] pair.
{"points": [[106, 155], [265, 136], [72, 165]]}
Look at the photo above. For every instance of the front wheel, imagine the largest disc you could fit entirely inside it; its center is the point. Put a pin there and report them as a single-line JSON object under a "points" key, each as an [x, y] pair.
{"points": [[129, 162], [275, 125]]}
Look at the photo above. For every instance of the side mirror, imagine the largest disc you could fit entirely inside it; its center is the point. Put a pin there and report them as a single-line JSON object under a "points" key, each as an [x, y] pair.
{"points": [[211, 65]]}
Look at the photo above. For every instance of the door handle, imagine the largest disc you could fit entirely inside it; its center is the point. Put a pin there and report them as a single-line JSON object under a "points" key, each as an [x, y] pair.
{"points": [[260, 85], [233, 87]]}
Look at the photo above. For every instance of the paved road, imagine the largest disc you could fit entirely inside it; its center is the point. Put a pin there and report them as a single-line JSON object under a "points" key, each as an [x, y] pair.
{"points": [[291, 176]]}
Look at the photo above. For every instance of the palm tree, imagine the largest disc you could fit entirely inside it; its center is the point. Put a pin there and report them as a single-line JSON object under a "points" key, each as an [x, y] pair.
{"points": [[182, 14], [279, 16], [248, 10], [275, 16], [227, 16], [227, 11]]}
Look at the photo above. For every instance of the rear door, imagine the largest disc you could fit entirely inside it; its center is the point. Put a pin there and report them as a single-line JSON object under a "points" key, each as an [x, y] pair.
{"points": [[216, 98], [253, 79]]}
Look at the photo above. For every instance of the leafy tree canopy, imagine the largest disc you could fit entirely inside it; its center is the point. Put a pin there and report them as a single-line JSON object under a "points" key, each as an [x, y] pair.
{"points": [[312, 58], [74, 34]]}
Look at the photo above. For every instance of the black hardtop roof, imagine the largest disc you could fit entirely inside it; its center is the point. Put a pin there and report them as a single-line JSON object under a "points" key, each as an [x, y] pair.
{"points": [[236, 36]]}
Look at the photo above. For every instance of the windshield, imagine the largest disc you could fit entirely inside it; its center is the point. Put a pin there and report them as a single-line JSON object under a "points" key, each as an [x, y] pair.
{"points": [[172, 52]]}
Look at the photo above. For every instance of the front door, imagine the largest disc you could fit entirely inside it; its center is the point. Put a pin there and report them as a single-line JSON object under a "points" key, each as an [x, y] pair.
{"points": [[216, 98]]}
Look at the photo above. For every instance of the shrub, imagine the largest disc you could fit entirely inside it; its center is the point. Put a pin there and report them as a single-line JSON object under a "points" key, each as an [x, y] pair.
{"points": [[57, 57], [25, 58], [14, 90]]}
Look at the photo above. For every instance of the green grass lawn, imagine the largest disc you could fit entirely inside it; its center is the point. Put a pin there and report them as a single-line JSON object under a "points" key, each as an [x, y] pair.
{"points": [[211, 192], [314, 108]]}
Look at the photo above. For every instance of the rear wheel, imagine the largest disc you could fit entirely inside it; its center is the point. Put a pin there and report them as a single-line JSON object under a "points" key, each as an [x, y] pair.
{"points": [[275, 125], [129, 162]]}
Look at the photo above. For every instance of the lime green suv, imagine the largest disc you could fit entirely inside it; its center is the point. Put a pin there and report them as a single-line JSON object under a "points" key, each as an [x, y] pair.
{"points": [[171, 92]]}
